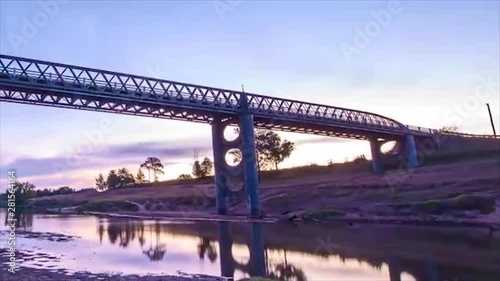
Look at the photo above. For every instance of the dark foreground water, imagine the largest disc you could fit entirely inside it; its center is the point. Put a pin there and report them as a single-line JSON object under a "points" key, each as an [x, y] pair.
{"points": [[282, 251]]}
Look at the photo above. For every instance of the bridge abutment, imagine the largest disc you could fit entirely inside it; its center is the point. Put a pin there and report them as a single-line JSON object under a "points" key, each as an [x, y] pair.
{"points": [[377, 162]]}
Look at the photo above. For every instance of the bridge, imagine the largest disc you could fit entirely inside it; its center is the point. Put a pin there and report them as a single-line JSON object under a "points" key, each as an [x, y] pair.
{"points": [[36, 82]]}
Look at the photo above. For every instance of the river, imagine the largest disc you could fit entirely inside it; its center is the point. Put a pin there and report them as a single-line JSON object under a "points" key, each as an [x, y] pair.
{"points": [[283, 251]]}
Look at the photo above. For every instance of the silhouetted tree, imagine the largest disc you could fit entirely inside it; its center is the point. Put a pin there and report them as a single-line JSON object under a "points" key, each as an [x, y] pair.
{"points": [[126, 178], [269, 149], [113, 180], [202, 169], [100, 183], [23, 191], [50, 192], [140, 177], [449, 129], [153, 164], [184, 177], [280, 150]]}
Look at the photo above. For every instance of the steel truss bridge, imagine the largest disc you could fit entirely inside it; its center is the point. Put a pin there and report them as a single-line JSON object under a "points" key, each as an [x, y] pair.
{"points": [[45, 83], [29, 81]]}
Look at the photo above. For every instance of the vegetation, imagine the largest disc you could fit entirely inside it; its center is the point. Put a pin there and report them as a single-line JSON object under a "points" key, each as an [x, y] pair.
{"points": [[121, 179], [50, 192], [202, 169], [483, 204], [449, 129], [107, 206], [140, 177], [23, 191], [270, 149], [153, 164], [322, 214], [185, 177], [100, 183]]}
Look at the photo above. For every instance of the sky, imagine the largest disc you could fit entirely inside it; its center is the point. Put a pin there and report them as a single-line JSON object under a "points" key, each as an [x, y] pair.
{"points": [[423, 63]]}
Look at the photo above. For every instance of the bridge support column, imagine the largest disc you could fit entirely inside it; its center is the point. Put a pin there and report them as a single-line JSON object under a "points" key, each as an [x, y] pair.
{"points": [[378, 165], [220, 177], [249, 160], [411, 151], [247, 168]]}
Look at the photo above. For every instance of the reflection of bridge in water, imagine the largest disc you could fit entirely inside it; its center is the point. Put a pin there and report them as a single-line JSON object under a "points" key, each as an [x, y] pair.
{"points": [[259, 262]]}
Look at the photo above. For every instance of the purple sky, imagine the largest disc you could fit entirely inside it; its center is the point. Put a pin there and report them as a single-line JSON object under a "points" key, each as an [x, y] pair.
{"points": [[422, 63]]}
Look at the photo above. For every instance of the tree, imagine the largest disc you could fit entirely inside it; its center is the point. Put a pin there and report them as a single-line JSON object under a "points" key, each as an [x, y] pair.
{"points": [[140, 177], [23, 191], [113, 180], [269, 149], [197, 169], [449, 129], [100, 183], [202, 169], [280, 151], [153, 164], [126, 178], [207, 166], [184, 177]]}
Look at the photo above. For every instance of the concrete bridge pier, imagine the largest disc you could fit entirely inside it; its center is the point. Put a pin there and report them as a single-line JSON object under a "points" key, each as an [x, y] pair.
{"points": [[411, 151], [377, 162], [247, 168], [221, 176], [249, 159]]}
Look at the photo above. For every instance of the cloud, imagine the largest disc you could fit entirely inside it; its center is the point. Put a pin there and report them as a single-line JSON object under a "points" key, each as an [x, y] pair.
{"points": [[113, 155], [76, 169]]}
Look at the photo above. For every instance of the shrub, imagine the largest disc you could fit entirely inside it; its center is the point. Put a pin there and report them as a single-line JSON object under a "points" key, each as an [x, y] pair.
{"points": [[108, 206], [323, 214], [484, 204]]}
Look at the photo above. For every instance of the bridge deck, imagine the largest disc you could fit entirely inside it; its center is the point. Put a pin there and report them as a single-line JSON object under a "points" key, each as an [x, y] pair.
{"points": [[38, 82]]}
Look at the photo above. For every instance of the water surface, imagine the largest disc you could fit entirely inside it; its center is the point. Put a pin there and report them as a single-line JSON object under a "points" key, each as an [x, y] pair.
{"points": [[282, 251]]}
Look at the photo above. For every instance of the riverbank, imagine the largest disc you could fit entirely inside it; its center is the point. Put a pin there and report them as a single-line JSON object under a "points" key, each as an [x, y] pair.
{"points": [[462, 193]]}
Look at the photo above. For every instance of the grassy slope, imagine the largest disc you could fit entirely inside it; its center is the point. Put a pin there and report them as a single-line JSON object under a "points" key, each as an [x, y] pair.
{"points": [[318, 188]]}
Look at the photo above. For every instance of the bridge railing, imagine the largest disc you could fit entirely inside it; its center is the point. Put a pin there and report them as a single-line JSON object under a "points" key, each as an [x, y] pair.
{"points": [[435, 131], [40, 74]]}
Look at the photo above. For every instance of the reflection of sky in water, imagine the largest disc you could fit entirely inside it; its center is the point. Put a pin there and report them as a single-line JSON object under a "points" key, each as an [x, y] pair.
{"points": [[135, 247]]}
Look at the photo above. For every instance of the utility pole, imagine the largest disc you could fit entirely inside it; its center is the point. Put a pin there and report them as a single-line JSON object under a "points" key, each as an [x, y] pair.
{"points": [[491, 120], [243, 88]]}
